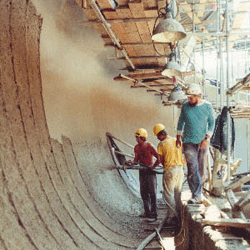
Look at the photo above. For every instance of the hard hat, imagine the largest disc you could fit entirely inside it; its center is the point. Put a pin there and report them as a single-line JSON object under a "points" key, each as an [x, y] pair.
{"points": [[141, 132], [193, 89], [158, 128]]}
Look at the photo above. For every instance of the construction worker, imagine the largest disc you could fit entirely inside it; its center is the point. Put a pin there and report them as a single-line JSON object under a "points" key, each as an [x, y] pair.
{"points": [[145, 153], [197, 123], [173, 175]]}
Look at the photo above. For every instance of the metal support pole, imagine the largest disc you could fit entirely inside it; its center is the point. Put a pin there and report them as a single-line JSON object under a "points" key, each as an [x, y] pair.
{"points": [[247, 135], [203, 67], [193, 16], [228, 97], [246, 66], [220, 60], [218, 56], [232, 67], [222, 85], [239, 32]]}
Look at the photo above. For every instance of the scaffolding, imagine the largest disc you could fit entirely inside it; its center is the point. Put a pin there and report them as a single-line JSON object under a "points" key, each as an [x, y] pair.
{"points": [[226, 77]]}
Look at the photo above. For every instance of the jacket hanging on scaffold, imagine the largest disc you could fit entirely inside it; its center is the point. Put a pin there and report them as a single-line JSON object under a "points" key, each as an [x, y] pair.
{"points": [[219, 138]]}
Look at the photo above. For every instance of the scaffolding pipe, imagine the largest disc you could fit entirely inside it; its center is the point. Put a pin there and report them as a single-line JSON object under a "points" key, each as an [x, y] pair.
{"points": [[232, 67], [203, 66], [246, 68], [228, 97], [193, 26], [240, 32], [247, 135], [218, 55], [222, 85], [190, 57]]}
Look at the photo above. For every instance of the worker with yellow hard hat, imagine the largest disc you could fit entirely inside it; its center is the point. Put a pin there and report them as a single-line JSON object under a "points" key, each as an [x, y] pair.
{"points": [[158, 128], [145, 154], [173, 175], [141, 132]]}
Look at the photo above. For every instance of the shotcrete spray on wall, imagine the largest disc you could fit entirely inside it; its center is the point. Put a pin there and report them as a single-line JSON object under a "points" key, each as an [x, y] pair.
{"points": [[83, 102]]}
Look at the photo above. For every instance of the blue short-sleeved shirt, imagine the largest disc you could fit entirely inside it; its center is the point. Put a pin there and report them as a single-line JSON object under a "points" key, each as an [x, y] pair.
{"points": [[196, 122]]}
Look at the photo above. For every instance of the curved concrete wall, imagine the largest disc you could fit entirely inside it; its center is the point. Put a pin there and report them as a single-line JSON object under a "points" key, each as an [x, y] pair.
{"points": [[56, 187]]}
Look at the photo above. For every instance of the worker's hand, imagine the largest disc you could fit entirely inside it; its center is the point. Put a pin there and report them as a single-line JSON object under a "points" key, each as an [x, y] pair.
{"points": [[152, 167], [178, 142], [204, 144], [128, 163]]}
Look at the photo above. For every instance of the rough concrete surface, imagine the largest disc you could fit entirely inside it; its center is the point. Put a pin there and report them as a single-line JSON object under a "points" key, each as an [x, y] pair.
{"points": [[195, 236], [57, 192]]}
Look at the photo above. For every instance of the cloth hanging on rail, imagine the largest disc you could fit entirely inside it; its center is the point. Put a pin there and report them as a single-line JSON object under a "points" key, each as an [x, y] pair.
{"points": [[219, 139]]}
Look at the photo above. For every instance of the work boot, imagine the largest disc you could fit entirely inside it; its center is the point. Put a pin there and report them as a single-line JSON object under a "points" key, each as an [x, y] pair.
{"points": [[195, 200], [144, 215], [152, 217]]}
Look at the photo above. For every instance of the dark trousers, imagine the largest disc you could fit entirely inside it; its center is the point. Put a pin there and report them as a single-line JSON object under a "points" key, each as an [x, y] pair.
{"points": [[195, 158], [148, 192]]}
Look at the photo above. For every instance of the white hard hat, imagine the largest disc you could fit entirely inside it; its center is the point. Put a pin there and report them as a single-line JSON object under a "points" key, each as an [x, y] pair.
{"points": [[193, 89]]}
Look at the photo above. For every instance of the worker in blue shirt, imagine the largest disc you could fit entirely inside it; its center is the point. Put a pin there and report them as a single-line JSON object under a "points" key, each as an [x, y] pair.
{"points": [[194, 129]]}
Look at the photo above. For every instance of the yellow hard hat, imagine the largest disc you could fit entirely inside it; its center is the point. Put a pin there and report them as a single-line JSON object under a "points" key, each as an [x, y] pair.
{"points": [[141, 132], [158, 128]]}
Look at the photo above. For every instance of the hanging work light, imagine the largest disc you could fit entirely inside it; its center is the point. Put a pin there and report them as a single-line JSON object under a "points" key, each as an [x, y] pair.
{"points": [[172, 68], [168, 30], [177, 94]]}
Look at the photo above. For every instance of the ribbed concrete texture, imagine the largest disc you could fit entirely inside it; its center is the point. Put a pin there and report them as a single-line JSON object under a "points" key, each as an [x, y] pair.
{"points": [[60, 193]]}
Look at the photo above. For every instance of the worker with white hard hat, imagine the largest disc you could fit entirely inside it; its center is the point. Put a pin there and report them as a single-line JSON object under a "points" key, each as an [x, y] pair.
{"points": [[194, 129]]}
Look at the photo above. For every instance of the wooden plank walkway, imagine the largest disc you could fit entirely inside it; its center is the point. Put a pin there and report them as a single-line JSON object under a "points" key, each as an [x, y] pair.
{"points": [[167, 234]]}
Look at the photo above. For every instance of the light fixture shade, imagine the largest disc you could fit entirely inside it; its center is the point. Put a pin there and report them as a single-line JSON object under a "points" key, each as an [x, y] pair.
{"points": [[172, 69], [168, 30], [177, 94]]}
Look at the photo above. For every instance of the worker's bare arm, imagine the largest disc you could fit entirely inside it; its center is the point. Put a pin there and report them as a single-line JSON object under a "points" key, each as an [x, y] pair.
{"points": [[157, 156]]}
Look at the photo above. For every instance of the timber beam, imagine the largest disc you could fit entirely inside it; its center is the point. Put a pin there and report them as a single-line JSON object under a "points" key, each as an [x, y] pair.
{"points": [[135, 20], [243, 201], [239, 223]]}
